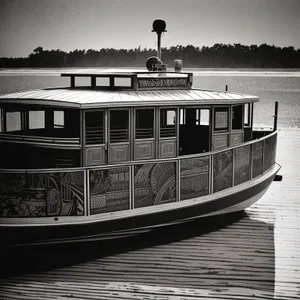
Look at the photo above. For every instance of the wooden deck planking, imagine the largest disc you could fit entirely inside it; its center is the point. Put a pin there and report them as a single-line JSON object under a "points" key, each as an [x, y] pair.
{"points": [[256, 257]]}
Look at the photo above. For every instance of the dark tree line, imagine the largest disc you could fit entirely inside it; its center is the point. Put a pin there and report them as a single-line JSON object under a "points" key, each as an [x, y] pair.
{"points": [[217, 56]]}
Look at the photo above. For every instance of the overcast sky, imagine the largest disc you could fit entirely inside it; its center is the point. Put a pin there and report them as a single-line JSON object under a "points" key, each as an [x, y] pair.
{"points": [[95, 24]]}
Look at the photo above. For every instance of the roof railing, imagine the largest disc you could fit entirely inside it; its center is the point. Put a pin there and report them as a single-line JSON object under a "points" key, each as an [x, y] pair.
{"points": [[159, 78]]}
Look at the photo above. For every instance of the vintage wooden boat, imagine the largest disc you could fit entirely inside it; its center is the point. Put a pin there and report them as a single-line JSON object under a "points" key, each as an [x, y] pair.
{"points": [[132, 151]]}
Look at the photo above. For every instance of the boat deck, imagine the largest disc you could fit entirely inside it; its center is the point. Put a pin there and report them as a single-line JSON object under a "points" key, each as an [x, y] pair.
{"points": [[255, 257]]}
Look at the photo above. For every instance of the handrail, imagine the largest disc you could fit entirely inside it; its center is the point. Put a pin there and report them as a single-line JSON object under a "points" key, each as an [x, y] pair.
{"points": [[33, 138], [122, 164], [237, 169]]}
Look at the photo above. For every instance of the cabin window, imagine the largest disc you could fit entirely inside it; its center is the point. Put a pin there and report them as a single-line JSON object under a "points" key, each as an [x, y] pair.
{"points": [[122, 82], [94, 125], [36, 119], [247, 115], [194, 116], [82, 81], [119, 126], [13, 121], [221, 119], [58, 119], [102, 81], [167, 122], [204, 117], [144, 124], [237, 117]]}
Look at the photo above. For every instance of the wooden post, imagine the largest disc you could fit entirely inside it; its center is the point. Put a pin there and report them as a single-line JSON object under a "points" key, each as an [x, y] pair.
{"points": [[49, 118], [111, 82], [158, 45], [93, 82], [275, 116]]}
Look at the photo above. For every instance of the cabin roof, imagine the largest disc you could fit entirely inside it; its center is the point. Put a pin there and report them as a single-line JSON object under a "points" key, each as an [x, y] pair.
{"points": [[88, 98], [125, 73]]}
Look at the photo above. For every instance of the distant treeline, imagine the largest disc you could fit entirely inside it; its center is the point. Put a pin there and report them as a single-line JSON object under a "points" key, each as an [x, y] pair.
{"points": [[217, 56]]}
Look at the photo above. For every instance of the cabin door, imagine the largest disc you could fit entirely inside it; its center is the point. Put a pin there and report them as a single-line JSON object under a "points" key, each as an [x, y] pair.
{"points": [[95, 137], [168, 132], [194, 130], [248, 108], [118, 135], [144, 133]]}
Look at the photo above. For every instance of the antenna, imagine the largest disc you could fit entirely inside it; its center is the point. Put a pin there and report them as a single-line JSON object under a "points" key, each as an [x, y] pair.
{"points": [[159, 26]]}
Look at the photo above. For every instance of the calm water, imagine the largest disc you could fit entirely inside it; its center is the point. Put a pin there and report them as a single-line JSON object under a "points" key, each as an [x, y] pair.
{"points": [[282, 86]]}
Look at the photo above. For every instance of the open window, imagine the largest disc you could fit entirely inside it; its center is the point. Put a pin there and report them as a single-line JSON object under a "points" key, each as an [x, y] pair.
{"points": [[194, 130], [237, 117]]}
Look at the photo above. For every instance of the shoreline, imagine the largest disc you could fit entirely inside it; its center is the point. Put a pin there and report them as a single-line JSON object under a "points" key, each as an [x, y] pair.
{"points": [[196, 71]]}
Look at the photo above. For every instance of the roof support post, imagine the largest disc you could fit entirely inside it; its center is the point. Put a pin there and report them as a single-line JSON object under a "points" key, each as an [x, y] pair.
{"points": [[275, 116], [93, 82], [111, 82], [72, 81]]}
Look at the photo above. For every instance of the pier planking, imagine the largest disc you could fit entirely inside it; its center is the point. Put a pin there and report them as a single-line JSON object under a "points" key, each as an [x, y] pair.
{"points": [[255, 257]]}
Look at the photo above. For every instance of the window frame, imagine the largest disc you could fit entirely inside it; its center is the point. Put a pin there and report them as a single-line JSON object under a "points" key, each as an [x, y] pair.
{"points": [[153, 123], [161, 109], [104, 127], [128, 127], [221, 109]]}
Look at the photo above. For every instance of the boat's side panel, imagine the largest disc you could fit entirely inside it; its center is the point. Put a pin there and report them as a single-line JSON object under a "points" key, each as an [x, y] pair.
{"points": [[237, 200]]}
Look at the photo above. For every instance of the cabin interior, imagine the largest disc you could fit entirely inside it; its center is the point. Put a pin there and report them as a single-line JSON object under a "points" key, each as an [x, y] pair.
{"points": [[33, 137]]}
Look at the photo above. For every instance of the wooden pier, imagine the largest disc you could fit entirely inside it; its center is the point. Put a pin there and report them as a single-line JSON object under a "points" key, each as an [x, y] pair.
{"points": [[255, 256]]}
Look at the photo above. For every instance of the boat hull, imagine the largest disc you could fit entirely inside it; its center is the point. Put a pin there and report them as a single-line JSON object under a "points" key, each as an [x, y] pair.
{"points": [[224, 202]]}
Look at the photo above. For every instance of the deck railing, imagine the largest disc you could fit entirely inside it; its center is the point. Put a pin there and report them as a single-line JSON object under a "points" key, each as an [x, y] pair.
{"points": [[90, 191]]}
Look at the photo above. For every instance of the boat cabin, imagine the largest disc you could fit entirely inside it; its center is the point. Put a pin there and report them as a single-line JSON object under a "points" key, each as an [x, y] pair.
{"points": [[117, 118]]}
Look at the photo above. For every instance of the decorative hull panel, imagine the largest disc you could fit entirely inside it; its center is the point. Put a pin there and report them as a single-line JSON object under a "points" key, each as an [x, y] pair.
{"points": [[227, 201]]}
